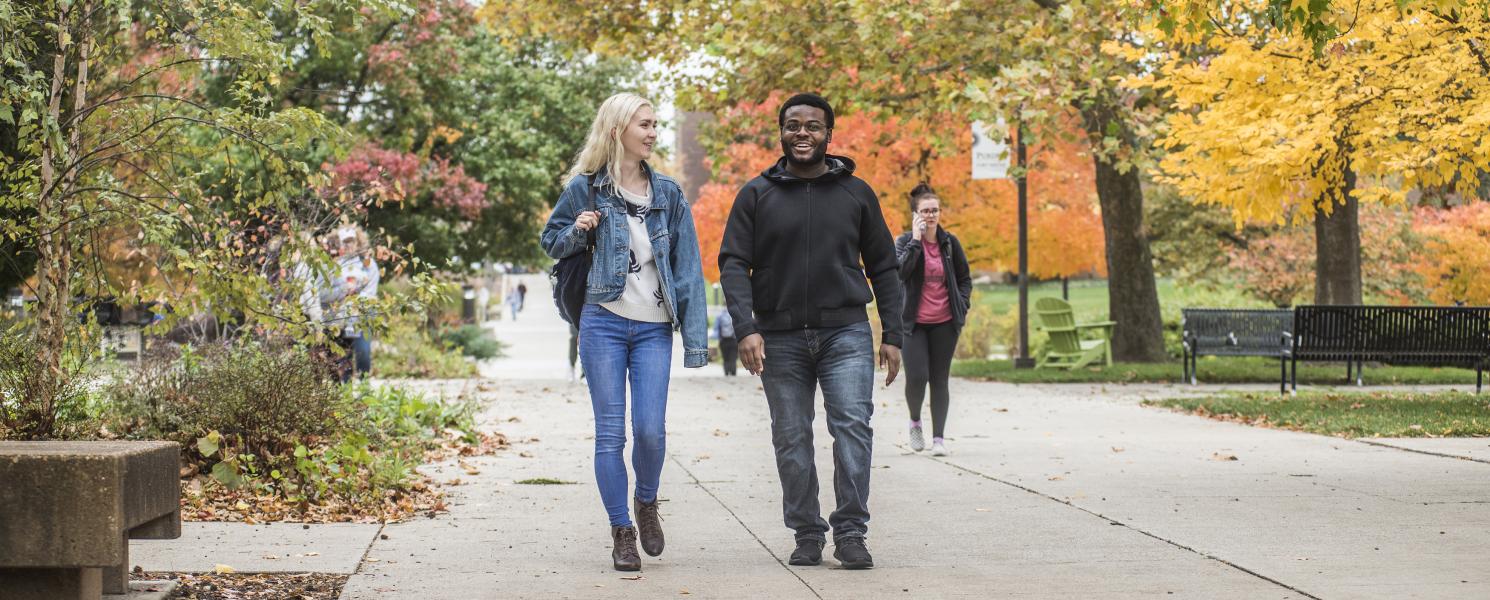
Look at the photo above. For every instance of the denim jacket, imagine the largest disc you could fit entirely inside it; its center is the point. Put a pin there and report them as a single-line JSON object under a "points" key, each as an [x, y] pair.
{"points": [[674, 243]]}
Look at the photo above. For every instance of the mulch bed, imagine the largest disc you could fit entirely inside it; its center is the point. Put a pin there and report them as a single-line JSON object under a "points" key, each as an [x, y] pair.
{"points": [[250, 586], [204, 500]]}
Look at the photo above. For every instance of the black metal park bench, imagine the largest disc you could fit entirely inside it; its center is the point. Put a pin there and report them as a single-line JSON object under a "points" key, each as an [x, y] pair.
{"points": [[1442, 336], [1233, 332]]}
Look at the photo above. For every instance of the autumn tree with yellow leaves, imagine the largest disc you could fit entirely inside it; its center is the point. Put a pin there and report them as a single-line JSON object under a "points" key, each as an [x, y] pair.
{"points": [[1290, 114]]}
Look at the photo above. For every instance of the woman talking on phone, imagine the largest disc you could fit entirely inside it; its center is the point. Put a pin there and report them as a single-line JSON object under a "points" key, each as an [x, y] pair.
{"points": [[937, 289]]}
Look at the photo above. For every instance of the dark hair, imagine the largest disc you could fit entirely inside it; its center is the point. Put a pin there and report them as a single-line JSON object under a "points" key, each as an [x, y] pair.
{"points": [[920, 192], [812, 100]]}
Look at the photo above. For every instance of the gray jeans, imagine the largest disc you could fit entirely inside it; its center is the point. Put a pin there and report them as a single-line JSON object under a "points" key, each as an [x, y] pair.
{"points": [[841, 359]]}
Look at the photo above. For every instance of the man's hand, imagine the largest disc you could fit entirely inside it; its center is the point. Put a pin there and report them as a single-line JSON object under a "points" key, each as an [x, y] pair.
{"points": [[890, 361], [753, 354]]}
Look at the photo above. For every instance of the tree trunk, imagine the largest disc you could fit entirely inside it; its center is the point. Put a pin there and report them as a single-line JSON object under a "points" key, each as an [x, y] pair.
{"points": [[1133, 297], [48, 378], [1337, 249]]}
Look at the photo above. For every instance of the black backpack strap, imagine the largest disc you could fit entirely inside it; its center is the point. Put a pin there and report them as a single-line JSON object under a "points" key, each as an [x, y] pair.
{"points": [[591, 183]]}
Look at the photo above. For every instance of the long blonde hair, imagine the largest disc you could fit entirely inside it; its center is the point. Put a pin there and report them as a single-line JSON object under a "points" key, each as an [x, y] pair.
{"points": [[603, 150]]}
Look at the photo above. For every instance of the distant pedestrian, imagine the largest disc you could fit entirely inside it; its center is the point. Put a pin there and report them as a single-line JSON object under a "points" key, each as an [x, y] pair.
{"points": [[483, 302], [522, 296], [937, 290], [729, 347], [514, 302], [346, 298], [645, 281]]}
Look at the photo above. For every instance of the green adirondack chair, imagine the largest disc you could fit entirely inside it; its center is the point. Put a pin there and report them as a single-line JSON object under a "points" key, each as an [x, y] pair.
{"points": [[1067, 348]]}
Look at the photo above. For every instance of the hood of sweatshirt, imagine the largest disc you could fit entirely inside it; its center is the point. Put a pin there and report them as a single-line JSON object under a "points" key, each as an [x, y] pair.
{"points": [[838, 166]]}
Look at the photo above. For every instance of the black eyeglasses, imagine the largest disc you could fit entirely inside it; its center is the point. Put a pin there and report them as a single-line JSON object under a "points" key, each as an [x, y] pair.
{"points": [[812, 127], [930, 211]]}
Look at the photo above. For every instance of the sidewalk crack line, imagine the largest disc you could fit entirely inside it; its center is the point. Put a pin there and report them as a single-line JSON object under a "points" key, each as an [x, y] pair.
{"points": [[1112, 521], [747, 528], [1428, 452]]}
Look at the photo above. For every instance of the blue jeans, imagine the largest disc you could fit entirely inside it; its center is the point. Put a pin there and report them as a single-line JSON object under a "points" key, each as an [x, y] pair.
{"points": [[841, 359], [613, 349], [362, 354]]}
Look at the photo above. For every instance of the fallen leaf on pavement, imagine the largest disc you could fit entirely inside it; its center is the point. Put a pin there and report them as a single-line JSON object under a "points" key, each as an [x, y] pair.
{"points": [[1220, 456], [223, 570]]}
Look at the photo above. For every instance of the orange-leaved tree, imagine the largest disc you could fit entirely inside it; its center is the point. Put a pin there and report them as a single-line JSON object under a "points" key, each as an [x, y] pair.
{"points": [[1455, 253], [893, 155]]}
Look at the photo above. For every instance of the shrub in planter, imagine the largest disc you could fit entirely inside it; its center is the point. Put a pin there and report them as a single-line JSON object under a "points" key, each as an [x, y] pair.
{"points": [[473, 341], [407, 351], [263, 397], [22, 418]]}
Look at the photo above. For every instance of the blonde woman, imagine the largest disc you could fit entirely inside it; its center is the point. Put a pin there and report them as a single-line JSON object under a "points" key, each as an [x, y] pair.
{"points": [[645, 282]]}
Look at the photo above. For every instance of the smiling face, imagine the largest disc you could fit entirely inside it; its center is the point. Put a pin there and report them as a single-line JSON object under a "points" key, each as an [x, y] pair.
{"points": [[640, 135], [805, 135]]}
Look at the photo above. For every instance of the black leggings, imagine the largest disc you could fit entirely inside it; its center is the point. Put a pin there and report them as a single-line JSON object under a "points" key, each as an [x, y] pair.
{"points": [[928, 359]]}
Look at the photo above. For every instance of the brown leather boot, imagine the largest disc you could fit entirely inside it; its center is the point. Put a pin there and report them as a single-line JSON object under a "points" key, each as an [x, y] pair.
{"points": [[649, 524], [623, 548]]}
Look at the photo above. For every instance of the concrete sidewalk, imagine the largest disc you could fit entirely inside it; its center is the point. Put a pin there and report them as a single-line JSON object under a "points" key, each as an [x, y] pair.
{"points": [[1050, 492]]}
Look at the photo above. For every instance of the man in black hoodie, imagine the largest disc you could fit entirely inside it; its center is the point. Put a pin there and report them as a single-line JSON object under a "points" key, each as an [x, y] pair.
{"points": [[799, 241]]}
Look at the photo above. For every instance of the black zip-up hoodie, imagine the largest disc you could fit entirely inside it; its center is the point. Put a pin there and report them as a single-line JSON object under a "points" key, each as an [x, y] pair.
{"points": [[792, 252]]}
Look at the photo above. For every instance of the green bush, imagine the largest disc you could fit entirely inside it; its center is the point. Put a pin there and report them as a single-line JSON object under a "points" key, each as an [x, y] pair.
{"points": [[406, 351], [988, 331], [21, 418], [263, 397], [266, 418], [983, 332], [474, 341], [379, 453]]}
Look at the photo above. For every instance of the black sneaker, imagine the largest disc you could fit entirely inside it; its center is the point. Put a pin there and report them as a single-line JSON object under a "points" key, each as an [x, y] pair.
{"points": [[852, 554], [809, 553]]}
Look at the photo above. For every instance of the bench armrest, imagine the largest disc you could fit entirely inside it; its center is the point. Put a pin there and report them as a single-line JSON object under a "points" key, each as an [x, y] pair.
{"points": [[1096, 324]]}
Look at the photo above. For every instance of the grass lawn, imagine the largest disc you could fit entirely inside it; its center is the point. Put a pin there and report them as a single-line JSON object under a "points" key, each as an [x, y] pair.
{"points": [[1357, 414], [1211, 370], [1088, 297]]}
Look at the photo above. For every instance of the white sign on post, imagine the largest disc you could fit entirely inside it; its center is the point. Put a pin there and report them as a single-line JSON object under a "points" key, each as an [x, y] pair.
{"points": [[990, 150]]}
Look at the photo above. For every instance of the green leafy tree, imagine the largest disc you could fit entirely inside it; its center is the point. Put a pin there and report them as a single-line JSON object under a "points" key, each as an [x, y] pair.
{"points": [[483, 125], [109, 142]]}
